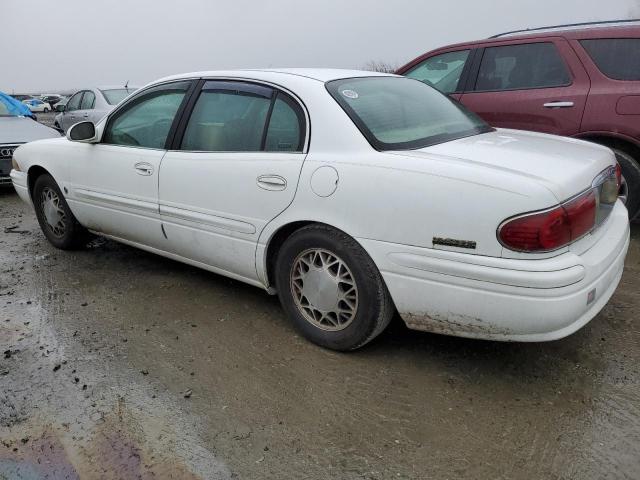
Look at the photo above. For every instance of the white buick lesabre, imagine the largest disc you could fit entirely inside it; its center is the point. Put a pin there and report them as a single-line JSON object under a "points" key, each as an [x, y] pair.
{"points": [[352, 195]]}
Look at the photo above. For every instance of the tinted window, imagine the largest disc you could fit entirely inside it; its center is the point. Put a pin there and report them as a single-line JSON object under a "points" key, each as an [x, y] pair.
{"points": [[74, 102], [145, 121], [87, 101], [617, 58], [285, 132], [401, 113], [514, 67], [442, 71], [228, 117]]}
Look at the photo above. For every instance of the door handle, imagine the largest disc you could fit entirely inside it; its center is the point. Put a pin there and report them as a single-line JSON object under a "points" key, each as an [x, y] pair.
{"points": [[272, 182], [558, 105], [143, 168]]}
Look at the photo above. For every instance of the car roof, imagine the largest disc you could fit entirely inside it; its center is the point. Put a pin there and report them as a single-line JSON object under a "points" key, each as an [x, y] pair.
{"points": [[317, 74], [575, 32]]}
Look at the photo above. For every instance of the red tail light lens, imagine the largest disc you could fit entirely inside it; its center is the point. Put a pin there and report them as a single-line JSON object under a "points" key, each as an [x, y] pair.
{"points": [[551, 229], [618, 174]]}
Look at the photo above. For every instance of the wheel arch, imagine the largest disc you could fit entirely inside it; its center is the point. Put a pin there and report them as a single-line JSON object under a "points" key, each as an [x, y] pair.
{"points": [[33, 173], [279, 237], [611, 140]]}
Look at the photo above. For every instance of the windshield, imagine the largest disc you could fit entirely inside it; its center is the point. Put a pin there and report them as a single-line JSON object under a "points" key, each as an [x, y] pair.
{"points": [[115, 95], [400, 113]]}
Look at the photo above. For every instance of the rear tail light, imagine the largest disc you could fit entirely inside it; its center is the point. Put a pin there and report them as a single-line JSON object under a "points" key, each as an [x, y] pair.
{"points": [[550, 229], [618, 175], [556, 227]]}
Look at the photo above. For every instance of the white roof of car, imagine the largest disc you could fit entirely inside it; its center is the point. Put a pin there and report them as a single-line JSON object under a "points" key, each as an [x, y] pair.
{"points": [[319, 74]]}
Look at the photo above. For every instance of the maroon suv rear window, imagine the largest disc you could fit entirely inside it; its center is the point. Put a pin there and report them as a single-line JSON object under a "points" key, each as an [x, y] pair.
{"points": [[617, 58]]}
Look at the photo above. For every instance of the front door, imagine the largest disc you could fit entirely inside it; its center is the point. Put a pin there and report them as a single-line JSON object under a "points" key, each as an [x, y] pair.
{"points": [[235, 166], [115, 182], [70, 115]]}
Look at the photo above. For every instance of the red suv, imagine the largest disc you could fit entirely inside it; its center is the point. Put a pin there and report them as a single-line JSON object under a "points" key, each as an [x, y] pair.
{"points": [[581, 80]]}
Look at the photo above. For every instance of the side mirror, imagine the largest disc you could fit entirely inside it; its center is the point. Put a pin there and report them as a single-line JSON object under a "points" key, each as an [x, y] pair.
{"points": [[60, 108], [82, 132]]}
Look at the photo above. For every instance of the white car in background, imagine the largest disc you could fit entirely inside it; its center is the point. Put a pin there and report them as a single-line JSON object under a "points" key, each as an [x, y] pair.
{"points": [[90, 104], [36, 105], [349, 194]]}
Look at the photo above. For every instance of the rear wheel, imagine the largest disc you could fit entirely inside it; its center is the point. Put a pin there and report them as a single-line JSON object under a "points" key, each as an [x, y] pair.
{"points": [[54, 216], [630, 188], [331, 289]]}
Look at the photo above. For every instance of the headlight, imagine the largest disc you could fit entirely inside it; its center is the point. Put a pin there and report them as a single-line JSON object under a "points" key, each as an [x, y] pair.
{"points": [[15, 165]]}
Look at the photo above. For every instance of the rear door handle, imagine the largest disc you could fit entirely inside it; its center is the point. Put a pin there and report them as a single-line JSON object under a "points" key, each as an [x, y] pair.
{"points": [[143, 168], [558, 105], [272, 182]]}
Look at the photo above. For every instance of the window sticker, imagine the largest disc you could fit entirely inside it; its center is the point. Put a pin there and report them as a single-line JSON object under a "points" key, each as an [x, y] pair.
{"points": [[350, 94]]}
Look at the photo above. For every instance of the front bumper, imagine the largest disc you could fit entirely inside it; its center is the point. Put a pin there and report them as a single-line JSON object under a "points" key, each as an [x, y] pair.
{"points": [[504, 299], [20, 183]]}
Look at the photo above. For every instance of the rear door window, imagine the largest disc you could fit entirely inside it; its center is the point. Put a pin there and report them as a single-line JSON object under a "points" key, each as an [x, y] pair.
{"points": [[442, 71], [617, 58], [87, 101], [519, 67]]}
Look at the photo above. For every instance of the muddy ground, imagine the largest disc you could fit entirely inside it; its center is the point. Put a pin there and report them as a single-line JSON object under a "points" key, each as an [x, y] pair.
{"points": [[121, 364]]}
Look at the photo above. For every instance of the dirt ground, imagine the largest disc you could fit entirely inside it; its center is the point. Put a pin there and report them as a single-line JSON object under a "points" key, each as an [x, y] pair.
{"points": [[121, 364]]}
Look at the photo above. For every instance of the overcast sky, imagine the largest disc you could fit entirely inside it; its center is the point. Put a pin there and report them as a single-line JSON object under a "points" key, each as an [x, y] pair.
{"points": [[52, 45]]}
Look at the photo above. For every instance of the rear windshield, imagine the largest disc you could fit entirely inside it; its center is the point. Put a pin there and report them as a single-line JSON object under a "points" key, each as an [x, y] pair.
{"points": [[617, 58], [115, 95], [396, 113]]}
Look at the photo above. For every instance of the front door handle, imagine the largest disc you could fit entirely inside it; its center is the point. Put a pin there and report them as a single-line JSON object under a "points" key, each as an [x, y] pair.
{"points": [[558, 105], [143, 168], [272, 182]]}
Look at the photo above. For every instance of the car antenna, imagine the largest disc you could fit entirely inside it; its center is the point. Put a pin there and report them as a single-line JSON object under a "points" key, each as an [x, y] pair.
{"points": [[126, 84]]}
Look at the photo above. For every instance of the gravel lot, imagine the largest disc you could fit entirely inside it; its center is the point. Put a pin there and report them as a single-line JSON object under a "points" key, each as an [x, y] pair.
{"points": [[121, 364]]}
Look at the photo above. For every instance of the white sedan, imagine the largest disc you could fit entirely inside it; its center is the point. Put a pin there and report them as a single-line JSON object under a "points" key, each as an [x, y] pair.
{"points": [[36, 105], [352, 195]]}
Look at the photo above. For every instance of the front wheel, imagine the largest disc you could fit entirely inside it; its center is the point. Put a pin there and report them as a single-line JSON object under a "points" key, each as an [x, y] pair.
{"points": [[331, 289], [630, 188], [54, 216]]}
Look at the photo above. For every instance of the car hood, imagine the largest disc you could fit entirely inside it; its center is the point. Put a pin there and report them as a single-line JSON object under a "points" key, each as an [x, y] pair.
{"points": [[564, 166], [14, 130]]}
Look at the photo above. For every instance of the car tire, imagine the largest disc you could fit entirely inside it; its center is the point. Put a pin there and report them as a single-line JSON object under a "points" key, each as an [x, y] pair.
{"points": [[55, 217], [331, 289], [631, 173]]}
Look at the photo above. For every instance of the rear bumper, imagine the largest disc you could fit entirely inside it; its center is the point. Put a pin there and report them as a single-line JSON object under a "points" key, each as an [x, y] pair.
{"points": [[504, 299]]}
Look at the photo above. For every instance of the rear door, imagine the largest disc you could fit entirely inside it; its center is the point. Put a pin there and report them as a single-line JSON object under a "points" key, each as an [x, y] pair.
{"points": [[234, 166], [539, 86]]}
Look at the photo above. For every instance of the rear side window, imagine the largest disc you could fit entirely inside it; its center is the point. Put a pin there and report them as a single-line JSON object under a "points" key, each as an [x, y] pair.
{"points": [[87, 101], [226, 119], [518, 67], [243, 117], [617, 58], [441, 71]]}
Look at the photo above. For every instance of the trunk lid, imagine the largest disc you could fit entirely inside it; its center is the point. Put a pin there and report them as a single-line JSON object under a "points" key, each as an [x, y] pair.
{"points": [[564, 166]]}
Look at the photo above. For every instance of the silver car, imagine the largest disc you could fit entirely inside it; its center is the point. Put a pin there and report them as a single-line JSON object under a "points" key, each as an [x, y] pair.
{"points": [[90, 105]]}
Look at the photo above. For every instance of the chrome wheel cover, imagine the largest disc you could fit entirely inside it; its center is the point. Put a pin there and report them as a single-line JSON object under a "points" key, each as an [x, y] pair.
{"points": [[54, 215], [324, 289]]}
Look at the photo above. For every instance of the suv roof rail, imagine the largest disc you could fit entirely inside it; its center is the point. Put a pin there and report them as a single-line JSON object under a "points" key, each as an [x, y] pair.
{"points": [[568, 25]]}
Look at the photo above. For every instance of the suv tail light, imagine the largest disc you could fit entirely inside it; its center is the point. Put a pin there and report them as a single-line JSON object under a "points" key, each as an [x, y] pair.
{"points": [[556, 227]]}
